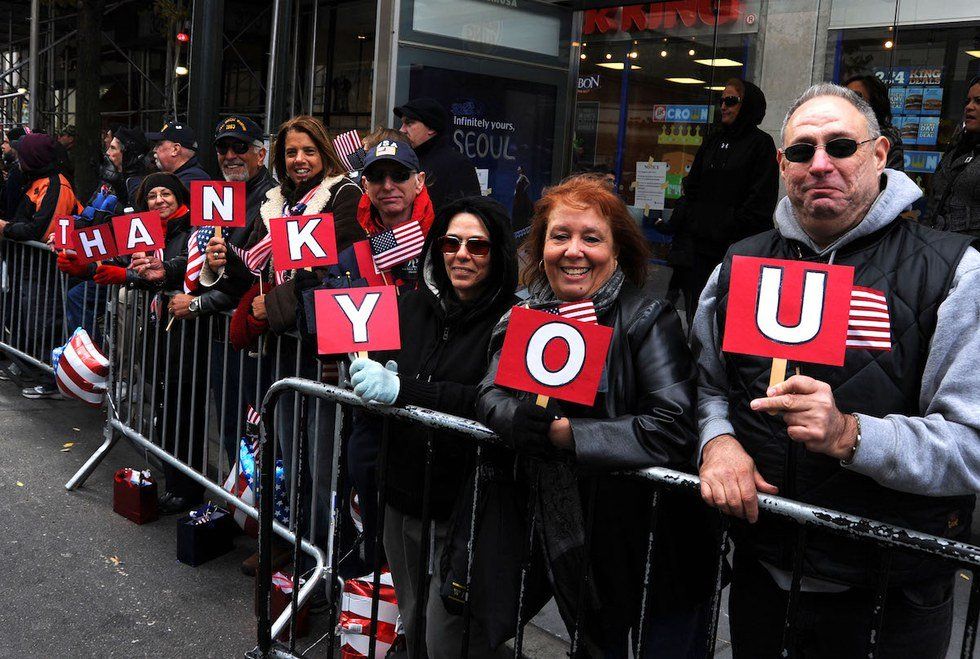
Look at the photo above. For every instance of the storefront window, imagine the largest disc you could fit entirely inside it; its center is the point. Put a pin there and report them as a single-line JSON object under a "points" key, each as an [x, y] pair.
{"points": [[649, 80], [343, 76], [926, 68]]}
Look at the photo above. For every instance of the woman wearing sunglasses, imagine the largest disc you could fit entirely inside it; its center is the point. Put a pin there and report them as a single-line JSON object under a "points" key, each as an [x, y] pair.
{"points": [[467, 279], [730, 193], [954, 202], [584, 247]]}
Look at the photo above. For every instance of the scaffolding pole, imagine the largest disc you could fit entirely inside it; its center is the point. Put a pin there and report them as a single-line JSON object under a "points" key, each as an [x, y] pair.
{"points": [[34, 64]]}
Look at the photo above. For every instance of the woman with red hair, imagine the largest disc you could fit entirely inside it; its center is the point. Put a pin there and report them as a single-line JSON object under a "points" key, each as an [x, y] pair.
{"points": [[591, 530]]}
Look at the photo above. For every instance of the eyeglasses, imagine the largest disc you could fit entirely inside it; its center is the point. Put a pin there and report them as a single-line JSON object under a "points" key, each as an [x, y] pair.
{"points": [[399, 175], [730, 101], [237, 146], [842, 147], [475, 246]]}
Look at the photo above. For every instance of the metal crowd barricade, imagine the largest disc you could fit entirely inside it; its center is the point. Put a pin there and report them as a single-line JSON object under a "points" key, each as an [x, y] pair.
{"points": [[180, 393], [32, 303], [808, 520]]}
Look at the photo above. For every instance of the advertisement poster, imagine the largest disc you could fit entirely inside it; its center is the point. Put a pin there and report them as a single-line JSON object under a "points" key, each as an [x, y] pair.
{"points": [[586, 132], [497, 123], [932, 101], [651, 185], [896, 97], [922, 162], [928, 131]]}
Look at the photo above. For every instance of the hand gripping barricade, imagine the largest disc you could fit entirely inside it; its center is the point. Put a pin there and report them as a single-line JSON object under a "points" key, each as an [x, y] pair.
{"points": [[182, 397]]}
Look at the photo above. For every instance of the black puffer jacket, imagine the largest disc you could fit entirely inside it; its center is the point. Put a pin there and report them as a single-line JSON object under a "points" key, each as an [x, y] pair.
{"points": [[732, 189], [448, 174], [445, 357], [954, 201], [644, 418]]}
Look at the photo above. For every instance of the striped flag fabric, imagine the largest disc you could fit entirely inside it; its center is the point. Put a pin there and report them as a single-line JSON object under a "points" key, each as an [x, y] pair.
{"points": [[868, 322], [350, 149], [196, 257], [82, 370], [583, 311], [397, 245], [257, 256]]}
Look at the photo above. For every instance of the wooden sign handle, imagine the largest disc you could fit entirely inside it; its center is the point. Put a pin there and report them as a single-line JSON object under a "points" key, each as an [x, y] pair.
{"points": [[542, 400], [362, 354], [777, 374]]}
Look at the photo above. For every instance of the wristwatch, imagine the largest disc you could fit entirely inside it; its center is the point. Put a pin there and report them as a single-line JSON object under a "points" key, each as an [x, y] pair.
{"points": [[194, 306]]}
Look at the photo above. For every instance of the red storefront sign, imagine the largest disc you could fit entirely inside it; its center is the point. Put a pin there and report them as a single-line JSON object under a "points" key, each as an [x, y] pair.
{"points": [[661, 16]]}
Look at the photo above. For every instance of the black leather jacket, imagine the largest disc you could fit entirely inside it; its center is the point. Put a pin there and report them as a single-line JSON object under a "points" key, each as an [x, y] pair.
{"points": [[644, 418]]}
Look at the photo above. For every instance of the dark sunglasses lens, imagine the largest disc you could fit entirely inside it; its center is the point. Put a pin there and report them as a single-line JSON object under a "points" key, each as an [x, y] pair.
{"points": [[730, 101], [799, 152], [478, 246], [448, 244], [379, 176], [236, 146], [841, 148]]}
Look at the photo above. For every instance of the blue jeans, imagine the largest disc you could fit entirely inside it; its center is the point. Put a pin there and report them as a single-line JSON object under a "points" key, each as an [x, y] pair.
{"points": [[85, 308]]}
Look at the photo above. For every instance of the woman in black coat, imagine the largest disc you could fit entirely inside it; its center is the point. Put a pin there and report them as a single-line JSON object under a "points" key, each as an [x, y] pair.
{"points": [[469, 272], [730, 193], [585, 246], [954, 200]]}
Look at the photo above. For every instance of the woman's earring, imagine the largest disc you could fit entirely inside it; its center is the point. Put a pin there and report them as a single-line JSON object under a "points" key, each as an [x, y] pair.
{"points": [[541, 265]]}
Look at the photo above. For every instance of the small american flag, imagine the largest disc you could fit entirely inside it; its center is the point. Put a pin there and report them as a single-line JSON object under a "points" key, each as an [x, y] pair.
{"points": [[583, 311], [350, 149], [257, 256], [196, 246], [398, 245], [868, 324], [252, 417]]}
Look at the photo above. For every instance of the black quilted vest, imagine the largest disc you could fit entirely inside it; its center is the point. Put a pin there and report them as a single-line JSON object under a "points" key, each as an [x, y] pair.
{"points": [[914, 267]]}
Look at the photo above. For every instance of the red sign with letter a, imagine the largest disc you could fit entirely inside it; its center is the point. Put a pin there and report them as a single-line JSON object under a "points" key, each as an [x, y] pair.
{"points": [[553, 356], [218, 204], [138, 232], [793, 310], [303, 240], [356, 319]]}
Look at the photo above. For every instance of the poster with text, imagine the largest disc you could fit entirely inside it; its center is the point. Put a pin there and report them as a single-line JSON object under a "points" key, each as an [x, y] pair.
{"points": [[499, 124]]}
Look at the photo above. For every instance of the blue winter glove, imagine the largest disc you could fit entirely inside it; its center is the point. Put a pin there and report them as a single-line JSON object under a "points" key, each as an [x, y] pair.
{"points": [[372, 381]]}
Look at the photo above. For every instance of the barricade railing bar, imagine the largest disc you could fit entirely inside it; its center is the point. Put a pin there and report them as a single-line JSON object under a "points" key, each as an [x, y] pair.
{"points": [[807, 518], [181, 395]]}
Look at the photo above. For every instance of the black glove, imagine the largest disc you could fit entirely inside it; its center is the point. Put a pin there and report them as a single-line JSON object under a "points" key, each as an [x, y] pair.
{"points": [[305, 280], [530, 428]]}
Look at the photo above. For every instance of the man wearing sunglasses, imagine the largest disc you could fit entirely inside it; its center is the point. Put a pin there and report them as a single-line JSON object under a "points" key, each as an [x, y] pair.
{"points": [[892, 435], [394, 192]]}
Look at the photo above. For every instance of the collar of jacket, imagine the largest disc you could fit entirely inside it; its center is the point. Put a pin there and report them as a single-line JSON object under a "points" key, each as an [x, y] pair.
{"points": [[260, 177], [274, 200], [370, 220]]}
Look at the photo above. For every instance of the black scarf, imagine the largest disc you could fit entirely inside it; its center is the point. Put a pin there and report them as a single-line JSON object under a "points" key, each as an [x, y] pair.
{"points": [[553, 488]]}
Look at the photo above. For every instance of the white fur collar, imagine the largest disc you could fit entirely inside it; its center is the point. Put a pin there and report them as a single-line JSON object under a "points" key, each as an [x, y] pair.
{"points": [[274, 200]]}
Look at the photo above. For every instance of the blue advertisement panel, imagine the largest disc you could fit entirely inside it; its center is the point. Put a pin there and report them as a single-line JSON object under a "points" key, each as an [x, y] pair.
{"points": [[498, 123]]}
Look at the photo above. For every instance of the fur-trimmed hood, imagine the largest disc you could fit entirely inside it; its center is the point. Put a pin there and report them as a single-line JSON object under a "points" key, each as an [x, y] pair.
{"points": [[275, 199]]}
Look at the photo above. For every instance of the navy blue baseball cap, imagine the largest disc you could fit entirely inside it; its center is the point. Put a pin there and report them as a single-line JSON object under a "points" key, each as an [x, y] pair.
{"points": [[175, 132], [241, 128], [394, 151]]}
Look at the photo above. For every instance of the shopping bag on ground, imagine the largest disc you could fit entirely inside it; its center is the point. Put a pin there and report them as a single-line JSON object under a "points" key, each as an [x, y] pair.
{"points": [[134, 495], [80, 369], [355, 616]]}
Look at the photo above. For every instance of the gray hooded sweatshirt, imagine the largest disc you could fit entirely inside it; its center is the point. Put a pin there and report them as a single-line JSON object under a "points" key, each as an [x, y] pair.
{"points": [[936, 453]]}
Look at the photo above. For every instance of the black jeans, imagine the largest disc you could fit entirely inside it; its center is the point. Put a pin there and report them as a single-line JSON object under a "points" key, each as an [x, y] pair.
{"points": [[917, 623]]}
